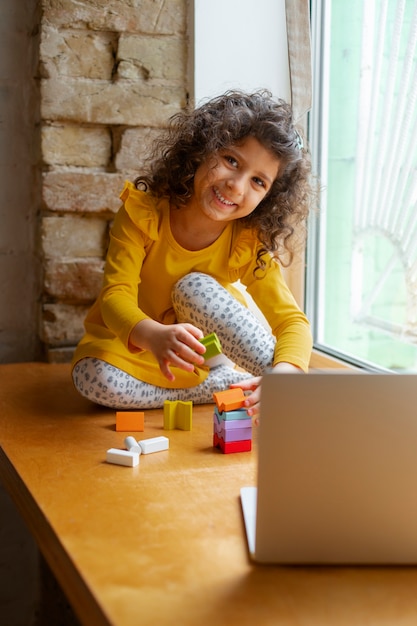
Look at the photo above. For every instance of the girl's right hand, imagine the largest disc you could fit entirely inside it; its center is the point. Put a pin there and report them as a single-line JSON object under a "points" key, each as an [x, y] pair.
{"points": [[171, 344]]}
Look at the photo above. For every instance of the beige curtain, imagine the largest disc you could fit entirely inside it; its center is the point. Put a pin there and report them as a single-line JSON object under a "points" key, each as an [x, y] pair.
{"points": [[299, 55]]}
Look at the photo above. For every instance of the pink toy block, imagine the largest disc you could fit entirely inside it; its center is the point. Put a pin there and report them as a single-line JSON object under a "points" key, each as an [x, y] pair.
{"points": [[233, 446], [230, 399], [130, 421], [178, 414]]}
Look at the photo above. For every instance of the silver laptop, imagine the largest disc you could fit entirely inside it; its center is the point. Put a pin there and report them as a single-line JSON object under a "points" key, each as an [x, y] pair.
{"points": [[337, 470]]}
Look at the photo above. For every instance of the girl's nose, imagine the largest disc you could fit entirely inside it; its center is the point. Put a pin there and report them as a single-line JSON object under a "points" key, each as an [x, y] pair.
{"points": [[236, 184]]}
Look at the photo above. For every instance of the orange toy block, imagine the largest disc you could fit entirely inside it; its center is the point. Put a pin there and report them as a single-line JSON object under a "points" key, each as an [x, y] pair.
{"points": [[130, 421], [230, 399]]}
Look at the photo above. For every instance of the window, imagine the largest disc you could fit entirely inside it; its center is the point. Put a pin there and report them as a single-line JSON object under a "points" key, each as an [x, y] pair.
{"points": [[238, 44], [362, 255]]}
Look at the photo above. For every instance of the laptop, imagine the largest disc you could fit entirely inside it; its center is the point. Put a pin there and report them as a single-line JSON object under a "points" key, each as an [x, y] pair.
{"points": [[337, 470]]}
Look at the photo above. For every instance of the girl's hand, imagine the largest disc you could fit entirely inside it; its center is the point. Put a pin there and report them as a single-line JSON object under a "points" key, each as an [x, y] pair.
{"points": [[171, 344], [253, 400]]}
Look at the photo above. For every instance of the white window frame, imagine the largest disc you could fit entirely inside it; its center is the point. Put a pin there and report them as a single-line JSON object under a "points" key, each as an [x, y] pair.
{"points": [[318, 136]]}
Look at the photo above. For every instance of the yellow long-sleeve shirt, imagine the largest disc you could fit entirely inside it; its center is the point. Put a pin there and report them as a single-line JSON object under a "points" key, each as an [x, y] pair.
{"points": [[144, 262]]}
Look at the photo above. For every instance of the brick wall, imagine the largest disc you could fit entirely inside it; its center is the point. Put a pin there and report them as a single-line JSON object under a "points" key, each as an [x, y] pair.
{"points": [[111, 73]]}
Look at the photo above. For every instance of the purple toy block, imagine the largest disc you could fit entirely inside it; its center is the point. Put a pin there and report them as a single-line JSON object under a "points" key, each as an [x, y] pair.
{"points": [[240, 434], [235, 434]]}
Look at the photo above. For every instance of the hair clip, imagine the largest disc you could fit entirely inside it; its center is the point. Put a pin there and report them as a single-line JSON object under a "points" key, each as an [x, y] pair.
{"points": [[298, 140]]}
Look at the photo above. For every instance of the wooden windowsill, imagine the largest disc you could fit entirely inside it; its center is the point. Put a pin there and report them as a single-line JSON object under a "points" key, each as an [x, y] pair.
{"points": [[319, 360]]}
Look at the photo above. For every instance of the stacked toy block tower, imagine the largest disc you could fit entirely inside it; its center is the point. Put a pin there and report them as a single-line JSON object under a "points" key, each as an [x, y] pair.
{"points": [[232, 427]]}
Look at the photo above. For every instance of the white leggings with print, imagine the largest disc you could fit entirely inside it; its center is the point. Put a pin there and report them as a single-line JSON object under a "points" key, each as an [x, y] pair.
{"points": [[199, 300]]}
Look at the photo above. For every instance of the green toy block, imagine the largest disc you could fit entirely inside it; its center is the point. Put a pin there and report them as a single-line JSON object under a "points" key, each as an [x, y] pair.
{"points": [[212, 344], [178, 415]]}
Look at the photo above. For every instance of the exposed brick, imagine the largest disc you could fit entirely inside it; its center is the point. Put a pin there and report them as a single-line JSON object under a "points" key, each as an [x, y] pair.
{"points": [[102, 102], [133, 149], [146, 16], [111, 74], [60, 355], [73, 236], [78, 54], [75, 280], [74, 145], [82, 192], [62, 324], [151, 57]]}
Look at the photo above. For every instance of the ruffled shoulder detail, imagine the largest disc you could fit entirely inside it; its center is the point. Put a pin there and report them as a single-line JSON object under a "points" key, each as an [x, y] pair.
{"points": [[244, 248], [144, 210]]}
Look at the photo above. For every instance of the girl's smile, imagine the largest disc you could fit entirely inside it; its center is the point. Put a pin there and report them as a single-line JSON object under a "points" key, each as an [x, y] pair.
{"points": [[221, 199], [232, 183]]}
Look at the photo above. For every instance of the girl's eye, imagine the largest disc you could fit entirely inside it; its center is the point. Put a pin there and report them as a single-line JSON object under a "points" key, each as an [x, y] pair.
{"points": [[259, 182], [231, 160]]}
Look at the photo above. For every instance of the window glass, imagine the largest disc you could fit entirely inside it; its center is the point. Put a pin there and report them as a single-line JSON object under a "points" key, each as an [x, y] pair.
{"points": [[362, 260]]}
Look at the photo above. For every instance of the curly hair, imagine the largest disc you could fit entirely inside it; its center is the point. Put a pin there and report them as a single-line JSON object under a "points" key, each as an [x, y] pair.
{"points": [[194, 135]]}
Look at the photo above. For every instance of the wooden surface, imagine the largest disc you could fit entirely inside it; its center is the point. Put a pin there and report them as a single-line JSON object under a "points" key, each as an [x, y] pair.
{"points": [[162, 543]]}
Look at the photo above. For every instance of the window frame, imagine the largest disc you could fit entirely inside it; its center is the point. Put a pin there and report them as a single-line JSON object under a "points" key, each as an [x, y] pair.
{"points": [[323, 355]]}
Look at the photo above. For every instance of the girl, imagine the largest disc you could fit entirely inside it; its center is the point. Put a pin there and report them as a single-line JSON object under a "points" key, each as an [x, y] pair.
{"points": [[226, 185]]}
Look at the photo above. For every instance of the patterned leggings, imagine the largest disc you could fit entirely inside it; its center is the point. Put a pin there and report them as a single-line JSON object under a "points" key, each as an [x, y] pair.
{"points": [[200, 300]]}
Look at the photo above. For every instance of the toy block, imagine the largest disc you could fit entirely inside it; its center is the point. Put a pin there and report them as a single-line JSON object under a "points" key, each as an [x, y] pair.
{"points": [[122, 457], [232, 424], [233, 446], [130, 421], [230, 399], [238, 430], [237, 434], [212, 345], [178, 414], [184, 415], [132, 445], [231, 416], [155, 444]]}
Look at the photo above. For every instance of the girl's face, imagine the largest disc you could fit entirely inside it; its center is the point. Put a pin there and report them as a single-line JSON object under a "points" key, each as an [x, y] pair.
{"points": [[231, 184]]}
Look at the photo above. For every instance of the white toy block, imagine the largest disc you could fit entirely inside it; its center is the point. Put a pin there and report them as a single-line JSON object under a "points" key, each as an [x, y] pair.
{"points": [[122, 457], [155, 444], [132, 445]]}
